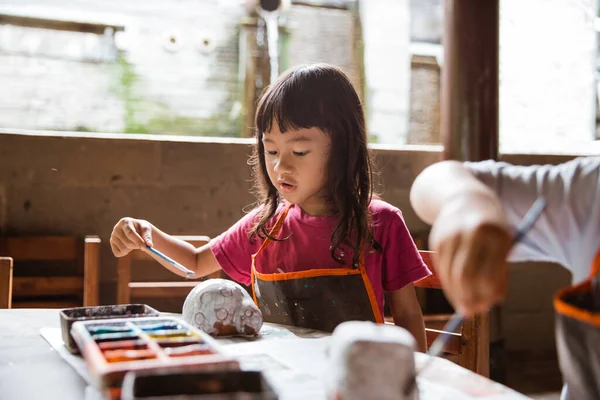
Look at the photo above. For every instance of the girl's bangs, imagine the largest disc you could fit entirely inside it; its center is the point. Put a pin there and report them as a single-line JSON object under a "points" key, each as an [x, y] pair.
{"points": [[293, 104]]}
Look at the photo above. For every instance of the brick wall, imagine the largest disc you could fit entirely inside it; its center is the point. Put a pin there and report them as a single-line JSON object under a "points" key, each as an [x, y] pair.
{"points": [[177, 71]]}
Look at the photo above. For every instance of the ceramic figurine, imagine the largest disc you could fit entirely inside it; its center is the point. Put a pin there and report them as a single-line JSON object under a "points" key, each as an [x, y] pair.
{"points": [[221, 307]]}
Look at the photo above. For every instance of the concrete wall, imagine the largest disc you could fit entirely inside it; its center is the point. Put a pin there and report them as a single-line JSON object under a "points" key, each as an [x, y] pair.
{"points": [[84, 185], [71, 184]]}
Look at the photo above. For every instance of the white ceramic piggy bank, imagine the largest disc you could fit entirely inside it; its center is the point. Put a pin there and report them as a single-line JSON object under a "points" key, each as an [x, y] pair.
{"points": [[221, 307]]}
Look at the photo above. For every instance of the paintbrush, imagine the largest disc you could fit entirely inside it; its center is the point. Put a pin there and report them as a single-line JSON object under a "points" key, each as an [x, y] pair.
{"points": [[452, 325], [180, 267]]}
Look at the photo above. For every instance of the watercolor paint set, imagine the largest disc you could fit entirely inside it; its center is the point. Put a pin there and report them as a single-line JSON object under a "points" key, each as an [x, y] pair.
{"points": [[69, 316], [112, 348], [192, 384]]}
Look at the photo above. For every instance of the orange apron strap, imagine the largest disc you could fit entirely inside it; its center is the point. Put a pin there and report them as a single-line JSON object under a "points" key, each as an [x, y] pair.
{"points": [[369, 287], [275, 230], [566, 308], [252, 281]]}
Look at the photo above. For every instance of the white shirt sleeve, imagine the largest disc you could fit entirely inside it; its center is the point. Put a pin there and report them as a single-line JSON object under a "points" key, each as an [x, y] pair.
{"points": [[568, 231]]}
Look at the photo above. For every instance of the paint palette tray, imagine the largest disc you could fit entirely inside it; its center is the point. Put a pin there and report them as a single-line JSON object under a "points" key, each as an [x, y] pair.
{"points": [[190, 384], [69, 316], [111, 348]]}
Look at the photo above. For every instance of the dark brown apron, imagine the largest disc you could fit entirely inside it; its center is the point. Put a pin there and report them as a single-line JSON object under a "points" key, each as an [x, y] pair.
{"points": [[316, 298], [578, 336]]}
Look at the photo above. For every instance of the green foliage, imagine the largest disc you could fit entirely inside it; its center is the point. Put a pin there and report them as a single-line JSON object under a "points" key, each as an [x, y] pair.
{"points": [[144, 115]]}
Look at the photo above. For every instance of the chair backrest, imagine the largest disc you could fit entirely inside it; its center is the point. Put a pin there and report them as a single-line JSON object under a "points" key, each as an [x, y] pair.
{"points": [[60, 291], [6, 276], [469, 346], [126, 288]]}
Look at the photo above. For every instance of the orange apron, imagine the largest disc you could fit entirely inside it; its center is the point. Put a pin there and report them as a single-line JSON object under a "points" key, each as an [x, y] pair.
{"points": [[578, 335], [315, 298]]}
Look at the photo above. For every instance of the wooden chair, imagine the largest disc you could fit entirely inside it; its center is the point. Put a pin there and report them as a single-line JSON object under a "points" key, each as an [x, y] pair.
{"points": [[6, 277], [469, 346], [126, 289], [45, 290]]}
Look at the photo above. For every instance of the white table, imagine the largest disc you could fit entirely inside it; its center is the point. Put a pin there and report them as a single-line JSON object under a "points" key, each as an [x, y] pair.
{"points": [[294, 359]]}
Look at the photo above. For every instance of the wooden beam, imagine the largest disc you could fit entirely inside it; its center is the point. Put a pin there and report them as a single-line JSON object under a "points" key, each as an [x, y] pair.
{"points": [[469, 92], [329, 4], [39, 248], [57, 24]]}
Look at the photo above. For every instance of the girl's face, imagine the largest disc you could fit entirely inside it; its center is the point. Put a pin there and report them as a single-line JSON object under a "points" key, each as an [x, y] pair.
{"points": [[297, 165]]}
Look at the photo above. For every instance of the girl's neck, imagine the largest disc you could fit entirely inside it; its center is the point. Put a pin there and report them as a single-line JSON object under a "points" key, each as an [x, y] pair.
{"points": [[317, 208]]}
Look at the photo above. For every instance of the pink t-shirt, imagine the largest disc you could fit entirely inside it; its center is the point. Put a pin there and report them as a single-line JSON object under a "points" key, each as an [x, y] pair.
{"points": [[308, 246]]}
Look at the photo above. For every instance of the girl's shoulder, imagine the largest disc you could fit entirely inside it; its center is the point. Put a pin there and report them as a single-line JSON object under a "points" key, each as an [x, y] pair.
{"points": [[384, 216], [380, 209]]}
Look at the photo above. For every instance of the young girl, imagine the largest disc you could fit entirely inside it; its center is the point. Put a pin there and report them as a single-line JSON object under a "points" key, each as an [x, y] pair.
{"points": [[318, 250]]}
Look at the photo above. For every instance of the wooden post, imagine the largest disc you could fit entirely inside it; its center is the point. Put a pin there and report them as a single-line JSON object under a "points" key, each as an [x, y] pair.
{"points": [[469, 106], [254, 62], [255, 66], [6, 276], [91, 267], [469, 93]]}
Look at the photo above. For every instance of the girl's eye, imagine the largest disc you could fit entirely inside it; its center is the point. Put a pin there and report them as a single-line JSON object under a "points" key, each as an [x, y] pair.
{"points": [[271, 153], [300, 153]]}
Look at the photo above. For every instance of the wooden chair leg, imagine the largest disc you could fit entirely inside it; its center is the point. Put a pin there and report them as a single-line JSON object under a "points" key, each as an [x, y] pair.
{"points": [[6, 276], [483, 345], [123, 280], [475, 355], [91, 266]]}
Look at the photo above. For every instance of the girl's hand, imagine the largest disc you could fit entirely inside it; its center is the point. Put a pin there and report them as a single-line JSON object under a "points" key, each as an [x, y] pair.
{"points": [[130, 234], [471, 241]]}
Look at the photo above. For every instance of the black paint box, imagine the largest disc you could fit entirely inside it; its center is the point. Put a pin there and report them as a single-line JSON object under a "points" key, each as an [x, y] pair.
{"points": [[70, 315], [190, 384]]}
